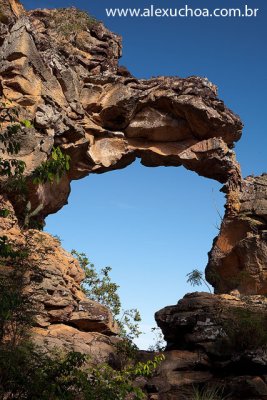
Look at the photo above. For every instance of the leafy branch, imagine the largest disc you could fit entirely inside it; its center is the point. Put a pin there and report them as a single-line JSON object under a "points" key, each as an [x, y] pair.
{"points": [[52, 169], [10, 127]]}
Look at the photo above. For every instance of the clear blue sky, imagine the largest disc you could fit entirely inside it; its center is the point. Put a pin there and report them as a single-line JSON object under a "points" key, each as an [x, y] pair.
{"points": [[154, 225]]}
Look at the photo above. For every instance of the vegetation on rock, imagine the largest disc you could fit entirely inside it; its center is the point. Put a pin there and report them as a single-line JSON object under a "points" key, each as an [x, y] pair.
{"points": [[245, 330], [68, 21], [206, 392], [27, 372], [98, 286], [195, 278], [10, 126], [52, 169]]}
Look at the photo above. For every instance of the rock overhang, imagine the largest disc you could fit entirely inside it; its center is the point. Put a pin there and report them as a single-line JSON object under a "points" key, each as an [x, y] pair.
{"points": [[79, 99], [69, 84]]}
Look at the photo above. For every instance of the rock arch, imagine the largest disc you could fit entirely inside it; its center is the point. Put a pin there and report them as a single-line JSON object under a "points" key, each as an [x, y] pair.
{"points": [[71, 87]]}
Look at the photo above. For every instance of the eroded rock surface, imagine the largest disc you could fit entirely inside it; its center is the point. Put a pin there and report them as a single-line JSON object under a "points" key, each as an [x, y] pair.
{"points": [[60, 68], [203, 346], [65, 77], [65, 317], [238, 259]]}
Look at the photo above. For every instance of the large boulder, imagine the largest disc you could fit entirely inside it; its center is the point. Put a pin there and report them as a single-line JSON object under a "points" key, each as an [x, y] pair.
{"points": [[213, 341]]}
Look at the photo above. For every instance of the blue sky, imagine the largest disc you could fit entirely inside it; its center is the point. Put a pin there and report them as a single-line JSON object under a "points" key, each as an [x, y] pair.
{"points": [[154, 225]]}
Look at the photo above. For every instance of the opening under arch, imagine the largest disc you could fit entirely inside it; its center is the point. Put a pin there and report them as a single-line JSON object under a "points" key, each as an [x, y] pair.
{"points": [[151, 225]]}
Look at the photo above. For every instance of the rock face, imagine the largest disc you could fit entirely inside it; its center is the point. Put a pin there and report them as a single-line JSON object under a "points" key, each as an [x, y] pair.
{"points": [[204, 346], [238, 258], [65, 77], [65, 317], [60, 69]]}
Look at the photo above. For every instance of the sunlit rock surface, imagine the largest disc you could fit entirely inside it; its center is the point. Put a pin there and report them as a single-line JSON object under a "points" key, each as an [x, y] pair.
{"points": [[238, 259], [60, 68], [70, 86], [65, 318]]}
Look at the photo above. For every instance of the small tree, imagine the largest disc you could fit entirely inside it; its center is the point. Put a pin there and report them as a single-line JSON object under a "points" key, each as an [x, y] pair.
{"points": [[159, 343], [98, 285], [195, 278]]}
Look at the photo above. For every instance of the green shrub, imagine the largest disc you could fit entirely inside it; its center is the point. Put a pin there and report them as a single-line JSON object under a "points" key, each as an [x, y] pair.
{"points": [[16, 309], [99, 287], [159, 343], [10, 126], [27, 373], [52, 169], [4, 212], [7, 250]]}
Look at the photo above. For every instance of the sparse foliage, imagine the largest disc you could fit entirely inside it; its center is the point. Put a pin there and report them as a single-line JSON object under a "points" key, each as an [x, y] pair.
{"points": [[245, 330], [70, 22], [10, 126], [16, 310], [26, 372], [129, 323], [98, 285], [52, 169], [195, 278], [159, 343], [206, 392]]}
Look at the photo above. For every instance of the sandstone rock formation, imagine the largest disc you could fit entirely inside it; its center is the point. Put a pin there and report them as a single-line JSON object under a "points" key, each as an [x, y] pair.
{"points": [[239, 254], [65, 78], [60, 69], [202, 348], [65, 317]]}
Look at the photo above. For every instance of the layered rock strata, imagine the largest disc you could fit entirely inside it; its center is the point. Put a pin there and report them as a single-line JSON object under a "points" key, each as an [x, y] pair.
{"points": [[64, 317], [213, 340], [60, 69], [65, 78], [238, 257]]}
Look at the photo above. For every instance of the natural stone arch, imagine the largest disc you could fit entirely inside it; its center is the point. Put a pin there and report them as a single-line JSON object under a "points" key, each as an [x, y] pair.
{"points": [[95, 111], [102, 119]]}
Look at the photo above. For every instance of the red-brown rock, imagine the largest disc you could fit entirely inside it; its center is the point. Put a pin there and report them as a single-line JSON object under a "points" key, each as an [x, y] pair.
{"points": [[238, 259], [102, 119]]}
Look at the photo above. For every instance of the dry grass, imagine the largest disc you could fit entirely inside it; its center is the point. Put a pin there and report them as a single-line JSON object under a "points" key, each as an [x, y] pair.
{"points": [[69, 21]]}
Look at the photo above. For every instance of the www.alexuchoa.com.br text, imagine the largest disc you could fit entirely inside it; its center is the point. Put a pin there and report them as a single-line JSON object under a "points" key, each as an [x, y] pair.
{"points": [[183, 12]]}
